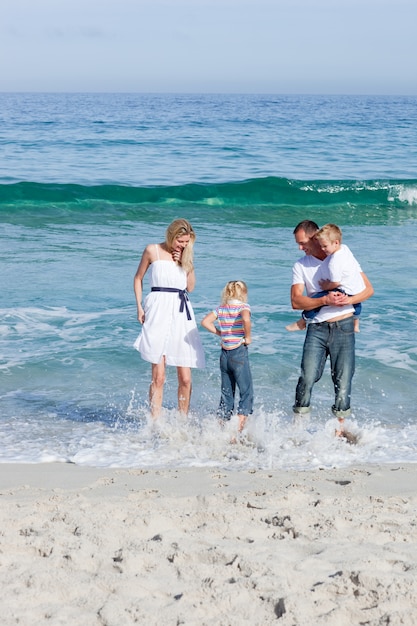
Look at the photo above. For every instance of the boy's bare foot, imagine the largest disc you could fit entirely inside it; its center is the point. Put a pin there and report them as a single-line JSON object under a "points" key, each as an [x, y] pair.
{"points": [[298, 325]]}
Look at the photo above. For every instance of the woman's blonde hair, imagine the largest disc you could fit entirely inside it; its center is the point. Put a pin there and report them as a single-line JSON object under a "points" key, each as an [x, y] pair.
{"points": [[235, 290], [179, 228]]}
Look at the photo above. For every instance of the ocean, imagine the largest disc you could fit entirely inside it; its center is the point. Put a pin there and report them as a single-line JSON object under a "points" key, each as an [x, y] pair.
{"points": [[87, 180]]}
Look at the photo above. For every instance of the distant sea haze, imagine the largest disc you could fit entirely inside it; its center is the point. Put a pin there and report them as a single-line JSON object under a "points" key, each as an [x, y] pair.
{"points": [[87, 180]]}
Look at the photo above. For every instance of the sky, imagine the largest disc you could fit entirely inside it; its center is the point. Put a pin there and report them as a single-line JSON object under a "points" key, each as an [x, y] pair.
{"points": [[209, 46]]}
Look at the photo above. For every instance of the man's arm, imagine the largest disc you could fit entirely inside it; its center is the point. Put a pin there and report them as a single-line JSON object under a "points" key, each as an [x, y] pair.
{"points": [[327, 285], [304, 303], [334, 298]]}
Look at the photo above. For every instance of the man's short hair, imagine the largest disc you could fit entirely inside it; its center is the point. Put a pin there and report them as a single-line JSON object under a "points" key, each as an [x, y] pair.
{"points": [[308, 226]]}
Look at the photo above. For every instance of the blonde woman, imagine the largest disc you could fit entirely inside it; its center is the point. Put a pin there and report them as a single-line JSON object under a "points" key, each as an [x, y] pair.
{"points": [[169, 333], [233, 316]]}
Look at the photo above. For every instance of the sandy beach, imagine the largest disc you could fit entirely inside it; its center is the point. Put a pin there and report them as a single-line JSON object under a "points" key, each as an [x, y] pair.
{"points": [[85, 546]]}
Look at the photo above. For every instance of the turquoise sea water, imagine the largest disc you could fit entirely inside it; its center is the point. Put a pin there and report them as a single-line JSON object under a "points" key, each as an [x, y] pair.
{"points": [[86, 181]]}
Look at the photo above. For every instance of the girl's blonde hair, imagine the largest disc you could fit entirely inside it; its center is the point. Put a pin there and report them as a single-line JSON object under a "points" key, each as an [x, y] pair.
{"points": [[235, 290], [179, 228], [331, 232]]}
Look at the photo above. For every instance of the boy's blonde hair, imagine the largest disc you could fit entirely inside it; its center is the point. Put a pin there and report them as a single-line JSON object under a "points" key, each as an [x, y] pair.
{"points": [[235, 290], [179, 228], [330, 232]]}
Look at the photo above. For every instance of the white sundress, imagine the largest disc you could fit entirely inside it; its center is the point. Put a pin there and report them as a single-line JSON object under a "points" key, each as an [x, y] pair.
{"points": [[167, 331]]}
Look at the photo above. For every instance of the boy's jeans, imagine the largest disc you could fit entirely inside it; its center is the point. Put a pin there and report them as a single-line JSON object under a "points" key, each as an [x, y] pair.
{"points": [[235, 370], [334, 339]]}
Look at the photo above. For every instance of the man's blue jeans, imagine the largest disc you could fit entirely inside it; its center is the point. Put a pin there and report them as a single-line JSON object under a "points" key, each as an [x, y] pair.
{"points": [[235, 370], [334, 339]]}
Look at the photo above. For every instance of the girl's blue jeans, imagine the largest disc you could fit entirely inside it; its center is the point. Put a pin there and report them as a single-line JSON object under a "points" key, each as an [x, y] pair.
{"points": [[235, 371], [334, 339]]}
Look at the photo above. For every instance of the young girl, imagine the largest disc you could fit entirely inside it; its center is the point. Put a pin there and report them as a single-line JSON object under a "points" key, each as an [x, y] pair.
{"points": [[234, 329]]}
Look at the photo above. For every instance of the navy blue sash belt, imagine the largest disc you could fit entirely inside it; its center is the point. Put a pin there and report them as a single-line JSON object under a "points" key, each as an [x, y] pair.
{"points": [[183, 297]]}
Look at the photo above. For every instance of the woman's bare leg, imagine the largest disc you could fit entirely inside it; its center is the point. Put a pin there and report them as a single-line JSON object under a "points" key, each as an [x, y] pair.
{"points": [[184, 389], [156, 389]]}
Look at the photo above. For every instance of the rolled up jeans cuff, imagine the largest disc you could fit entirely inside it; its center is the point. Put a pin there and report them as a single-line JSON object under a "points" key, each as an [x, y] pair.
{"points": [[339, 413], [301, 410]]}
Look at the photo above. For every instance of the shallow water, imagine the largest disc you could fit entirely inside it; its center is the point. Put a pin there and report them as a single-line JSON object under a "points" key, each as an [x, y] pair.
{"points": [[72, 387]]}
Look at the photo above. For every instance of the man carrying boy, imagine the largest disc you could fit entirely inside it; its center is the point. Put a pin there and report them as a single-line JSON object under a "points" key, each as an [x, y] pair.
{"points": [[329, 333]]}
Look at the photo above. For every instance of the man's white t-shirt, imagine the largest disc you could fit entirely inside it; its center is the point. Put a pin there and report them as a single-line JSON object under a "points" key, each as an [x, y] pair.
{"points": [[306, 272]]}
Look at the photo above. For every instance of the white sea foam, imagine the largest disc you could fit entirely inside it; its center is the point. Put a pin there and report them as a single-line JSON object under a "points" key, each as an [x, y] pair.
{"points": [[271, 441], [407, 194]]}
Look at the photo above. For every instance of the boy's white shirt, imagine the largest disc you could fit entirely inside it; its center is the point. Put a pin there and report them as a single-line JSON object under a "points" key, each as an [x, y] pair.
{"points": [[306, 272], [342, 267]]}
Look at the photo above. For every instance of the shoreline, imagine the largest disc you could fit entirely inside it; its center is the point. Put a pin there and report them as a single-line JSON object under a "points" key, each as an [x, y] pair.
{"points": [[204, 546]]}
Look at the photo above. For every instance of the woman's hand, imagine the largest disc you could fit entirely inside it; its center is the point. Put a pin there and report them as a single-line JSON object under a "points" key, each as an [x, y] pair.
{"points": [[176, 255], [141, 315]]}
